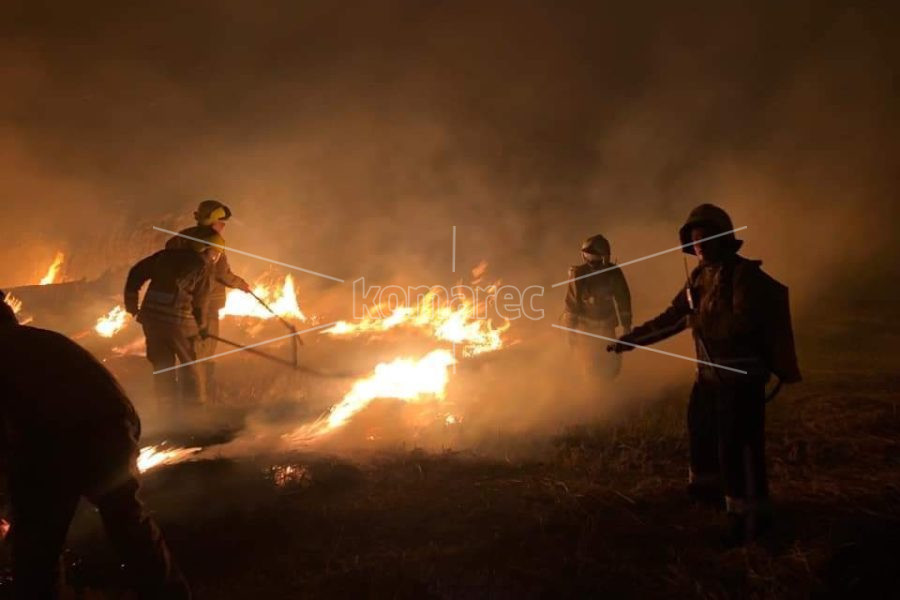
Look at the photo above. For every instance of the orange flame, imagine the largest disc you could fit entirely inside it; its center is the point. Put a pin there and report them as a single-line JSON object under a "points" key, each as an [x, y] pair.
{"points": [[405, 379], [14, 303], [54, 274], [151, 457], [456, 321], [112, 323], [282, 299]]}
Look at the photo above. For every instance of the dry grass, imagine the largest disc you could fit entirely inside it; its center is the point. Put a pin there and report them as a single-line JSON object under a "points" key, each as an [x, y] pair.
{"points": [[602, 512]]}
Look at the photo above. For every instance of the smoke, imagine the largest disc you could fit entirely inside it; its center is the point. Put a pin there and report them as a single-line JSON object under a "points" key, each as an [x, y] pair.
{"points": [[349, 139]]}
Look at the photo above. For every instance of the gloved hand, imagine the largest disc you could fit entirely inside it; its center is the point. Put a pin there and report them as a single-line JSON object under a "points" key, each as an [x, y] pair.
{"points": [[204, 333], [619, 347]]}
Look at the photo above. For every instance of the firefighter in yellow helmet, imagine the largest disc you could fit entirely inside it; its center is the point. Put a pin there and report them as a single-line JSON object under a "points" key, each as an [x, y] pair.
{"points": [[740, 320], [174, 313], [597, 303], [212, 216]]}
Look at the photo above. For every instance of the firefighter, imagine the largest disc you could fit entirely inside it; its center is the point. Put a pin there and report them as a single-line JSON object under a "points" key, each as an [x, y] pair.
{"points": [[597, 304], [174, 314], [67, 430], [212, 215], [740, 319]]}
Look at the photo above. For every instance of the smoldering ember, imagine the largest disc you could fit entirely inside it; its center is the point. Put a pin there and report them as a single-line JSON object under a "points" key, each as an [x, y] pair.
{"points": [[469, 299]]}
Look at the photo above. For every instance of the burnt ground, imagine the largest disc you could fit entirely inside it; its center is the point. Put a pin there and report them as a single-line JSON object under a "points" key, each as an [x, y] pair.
{"points": [[601, 512]]}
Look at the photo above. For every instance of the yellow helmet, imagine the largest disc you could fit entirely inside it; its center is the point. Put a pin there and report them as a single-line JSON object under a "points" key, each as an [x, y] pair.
{"points": [[210, 211]]}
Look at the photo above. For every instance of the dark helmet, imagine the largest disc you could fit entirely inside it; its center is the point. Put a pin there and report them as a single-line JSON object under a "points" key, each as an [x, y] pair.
{"points": [[714, 218], [210, 211], [595, 249]]}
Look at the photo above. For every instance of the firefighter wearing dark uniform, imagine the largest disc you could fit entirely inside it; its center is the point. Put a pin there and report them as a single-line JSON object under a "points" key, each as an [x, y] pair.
{"points": [[597, 304], [211, 217], [740, 319], [67, 430], [174, 315]]}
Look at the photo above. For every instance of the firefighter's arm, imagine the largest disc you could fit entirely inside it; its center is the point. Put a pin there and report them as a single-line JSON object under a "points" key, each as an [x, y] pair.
{"points": [[670, 322], [137, 277], [573, 307], [226, 277], [200, 299]]}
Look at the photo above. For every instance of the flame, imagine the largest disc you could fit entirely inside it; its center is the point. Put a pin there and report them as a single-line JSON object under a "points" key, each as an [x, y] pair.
{"points": [[151, 457], [54, 274], [14, 303], [406, 379], [456, 321], [136, 347], [112, 323], [282, 299]]}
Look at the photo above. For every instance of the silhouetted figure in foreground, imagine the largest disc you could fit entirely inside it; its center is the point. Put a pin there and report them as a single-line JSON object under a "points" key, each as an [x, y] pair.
{"points": [[69, 431]]}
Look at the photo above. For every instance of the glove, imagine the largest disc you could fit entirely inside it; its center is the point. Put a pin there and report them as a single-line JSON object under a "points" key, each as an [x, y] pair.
{"points": [[619, 347], [204, 333]]}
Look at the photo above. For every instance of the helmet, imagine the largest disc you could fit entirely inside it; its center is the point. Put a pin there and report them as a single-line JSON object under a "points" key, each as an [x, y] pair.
{"points": [[713, 217], [210, 211], [211, 239], [595, 249]]}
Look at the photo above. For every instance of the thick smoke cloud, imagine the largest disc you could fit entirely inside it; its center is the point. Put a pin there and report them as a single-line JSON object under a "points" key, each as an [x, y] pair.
{"points": [[349, 137]]}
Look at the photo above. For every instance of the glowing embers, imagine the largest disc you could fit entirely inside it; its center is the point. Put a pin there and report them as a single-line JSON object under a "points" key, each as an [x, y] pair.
{"points": [[289, 476], [281, 298], [151, 457]]}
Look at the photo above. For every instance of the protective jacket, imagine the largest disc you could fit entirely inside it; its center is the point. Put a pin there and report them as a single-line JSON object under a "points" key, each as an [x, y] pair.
{"points": [[739, 317], [592, 301], [178, 292], [60, 403], [221, 276]]}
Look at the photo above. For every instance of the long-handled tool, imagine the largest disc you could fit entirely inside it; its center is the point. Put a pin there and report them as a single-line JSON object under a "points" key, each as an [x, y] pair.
{"points": [[296, 342], [274, 314], [294, 365]]}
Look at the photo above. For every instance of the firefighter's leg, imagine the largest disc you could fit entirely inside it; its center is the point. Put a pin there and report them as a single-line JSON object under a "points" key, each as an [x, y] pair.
{"points": [[756, 485], [41, 513], [741, 417], [209, 349], [704, 481], [191, 375], [140, 544], [161, 354]]}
